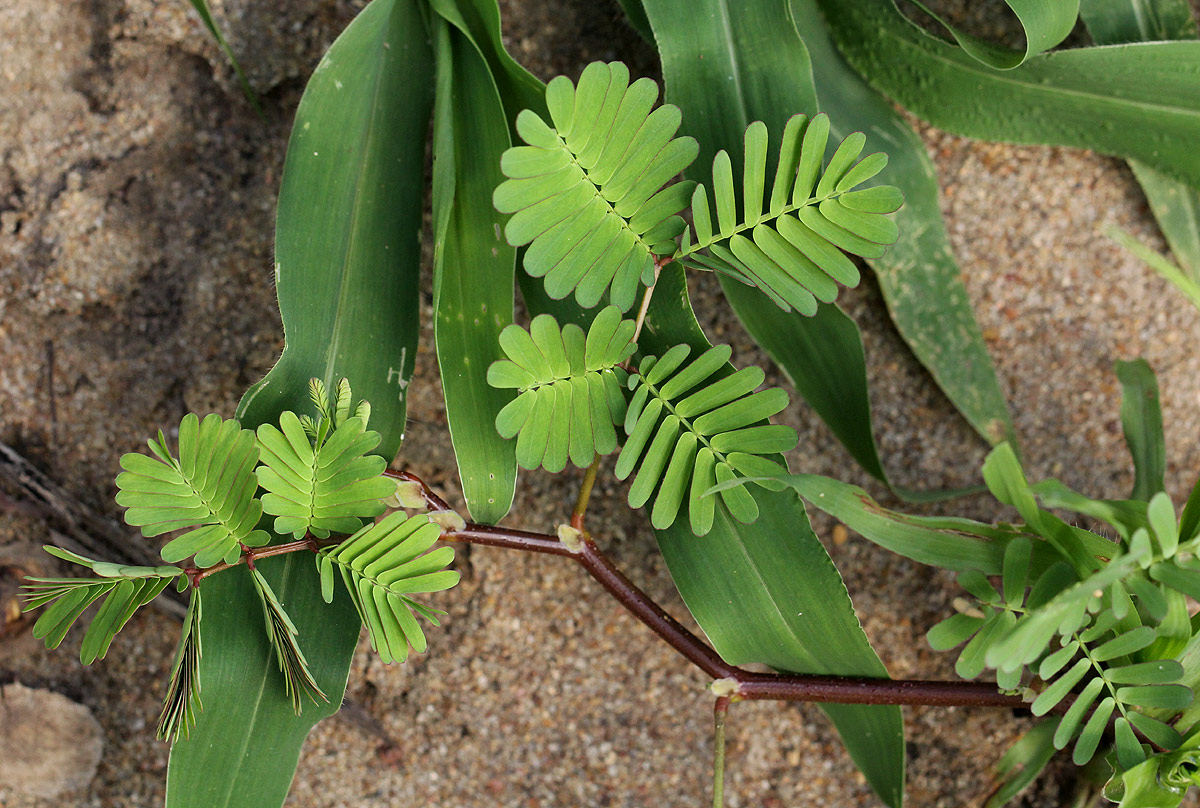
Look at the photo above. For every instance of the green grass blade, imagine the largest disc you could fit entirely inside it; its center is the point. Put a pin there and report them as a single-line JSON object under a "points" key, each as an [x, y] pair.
{"points": [[1141, 419], [473, 271], [1175, 205], [1136, 101], [1159, 263], [1115, 21], [1176, 208], [948, 542], [1023, 762], [918, 275], [201, 7], [1044, 24], [347, 266]]}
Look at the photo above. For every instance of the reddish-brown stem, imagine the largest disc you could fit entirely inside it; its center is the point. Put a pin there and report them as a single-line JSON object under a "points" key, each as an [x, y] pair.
{"points": [[747, 685], [250, 555]]}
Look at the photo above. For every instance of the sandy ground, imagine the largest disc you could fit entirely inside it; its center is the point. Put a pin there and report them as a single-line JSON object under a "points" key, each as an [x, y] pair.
{"points": [[136, 217]]}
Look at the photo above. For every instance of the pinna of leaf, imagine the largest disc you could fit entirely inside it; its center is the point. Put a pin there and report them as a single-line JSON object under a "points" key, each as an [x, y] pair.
{"points": [[687, 426], [587, 195], [319, 481]]}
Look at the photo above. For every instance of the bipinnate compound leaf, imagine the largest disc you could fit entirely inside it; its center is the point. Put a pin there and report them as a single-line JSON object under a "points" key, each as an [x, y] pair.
{"points": [[792, 244], [689, 428], [1104, 635], [569, 388], [124, 590], [382, 565], [209, 488], [587, 192], [324, 483]]}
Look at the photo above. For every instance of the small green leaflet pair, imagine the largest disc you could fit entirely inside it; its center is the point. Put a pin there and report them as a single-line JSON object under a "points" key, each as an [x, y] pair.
{"points": [[587, 195], [688, 426], [318, 481]]}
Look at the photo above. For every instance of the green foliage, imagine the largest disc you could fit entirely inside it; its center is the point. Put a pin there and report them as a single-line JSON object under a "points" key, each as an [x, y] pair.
{"points": [[688, 426], [569, 388], [1107, 631], [201, 7], [689, 429], [1104, 99], [347, 271], [1161, 264], [1081, 637], [1141, 418], [587, 195], [1074, 617], [381, 566], [797, 244], [125, 589], [182, 702], [210, 488], [1023, 762], [281, 632], [1162, 781], [317, 473], [1096, 634], [318, 482]]}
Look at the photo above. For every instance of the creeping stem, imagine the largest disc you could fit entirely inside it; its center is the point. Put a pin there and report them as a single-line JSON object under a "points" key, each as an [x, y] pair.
{"points": [[750, 685], [746, 685]]}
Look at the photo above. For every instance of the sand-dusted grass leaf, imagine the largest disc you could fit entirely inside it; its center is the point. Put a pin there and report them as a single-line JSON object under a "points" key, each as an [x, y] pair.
{"points": [[323, 482], [792, 244], [183, 694], [210, 488], [1101, 98], [382, 565], [689, 429], [587, 192], [569, 388]]}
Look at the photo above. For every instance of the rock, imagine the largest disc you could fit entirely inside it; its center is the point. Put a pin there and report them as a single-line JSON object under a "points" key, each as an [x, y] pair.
{"points": [[48, 743]]}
